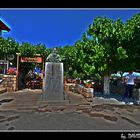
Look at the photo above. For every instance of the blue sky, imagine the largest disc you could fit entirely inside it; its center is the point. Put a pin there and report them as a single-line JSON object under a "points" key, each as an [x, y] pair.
{"points": [[55, 27]]}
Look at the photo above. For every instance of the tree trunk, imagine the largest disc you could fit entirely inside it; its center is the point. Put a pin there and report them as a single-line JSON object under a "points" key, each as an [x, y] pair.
{"points": [[106, 85]]}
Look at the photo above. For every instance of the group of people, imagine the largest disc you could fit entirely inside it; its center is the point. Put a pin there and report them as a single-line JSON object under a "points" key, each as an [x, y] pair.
{"points": [[33, 80]]}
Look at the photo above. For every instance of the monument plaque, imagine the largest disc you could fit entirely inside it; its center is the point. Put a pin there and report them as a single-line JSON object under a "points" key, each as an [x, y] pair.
{"points": [[53, 82]]}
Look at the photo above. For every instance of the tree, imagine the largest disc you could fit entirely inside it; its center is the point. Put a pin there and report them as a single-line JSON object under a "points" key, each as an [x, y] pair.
{"points": [[43, 51], [133, 41], [68, 57], [8, 47], [26, 49], [108, 52], [84, 64]]}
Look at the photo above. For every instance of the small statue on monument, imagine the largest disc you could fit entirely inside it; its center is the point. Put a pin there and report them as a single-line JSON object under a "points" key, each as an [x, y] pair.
{"points": [[54, 57]]}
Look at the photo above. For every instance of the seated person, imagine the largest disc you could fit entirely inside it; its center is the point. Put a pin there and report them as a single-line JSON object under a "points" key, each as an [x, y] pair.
{"points": [[37, 82]]}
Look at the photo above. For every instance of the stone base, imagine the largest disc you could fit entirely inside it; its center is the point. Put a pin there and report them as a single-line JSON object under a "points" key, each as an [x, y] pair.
{"points": [[43, 100], [53, 96], [53, 103], [53, 81]]}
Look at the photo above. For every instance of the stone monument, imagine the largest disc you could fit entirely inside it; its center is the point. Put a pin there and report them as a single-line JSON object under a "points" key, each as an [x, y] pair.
{"points": [[53, 81]]}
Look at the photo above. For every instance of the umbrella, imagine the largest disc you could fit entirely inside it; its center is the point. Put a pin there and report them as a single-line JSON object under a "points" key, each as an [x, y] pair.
{"points": [[137, 74], [116, 75], [125, 74]]}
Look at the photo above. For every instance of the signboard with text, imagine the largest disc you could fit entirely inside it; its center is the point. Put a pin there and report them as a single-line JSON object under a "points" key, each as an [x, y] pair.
{"points": [[31, 59]]}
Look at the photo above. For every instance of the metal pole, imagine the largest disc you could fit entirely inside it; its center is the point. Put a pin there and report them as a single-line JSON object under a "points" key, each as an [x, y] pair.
{"points": [[5, 65], [17, 69], [43, 74]]}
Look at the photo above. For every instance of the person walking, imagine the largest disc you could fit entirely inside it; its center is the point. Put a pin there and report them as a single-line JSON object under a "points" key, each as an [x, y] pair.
{"points": [[129, 88]]}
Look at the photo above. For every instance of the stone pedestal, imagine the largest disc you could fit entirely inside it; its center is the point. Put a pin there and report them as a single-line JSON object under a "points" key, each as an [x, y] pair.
{"points": [[53, 81]]}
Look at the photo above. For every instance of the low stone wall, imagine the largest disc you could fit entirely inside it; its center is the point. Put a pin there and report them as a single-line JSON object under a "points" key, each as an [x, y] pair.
{"points": [[86, 92], [9, 83], [120, 89], [3, 90]]}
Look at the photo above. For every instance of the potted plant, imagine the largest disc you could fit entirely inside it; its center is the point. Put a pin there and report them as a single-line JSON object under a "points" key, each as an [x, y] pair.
{"points": [[88, 83], [11, 71]]}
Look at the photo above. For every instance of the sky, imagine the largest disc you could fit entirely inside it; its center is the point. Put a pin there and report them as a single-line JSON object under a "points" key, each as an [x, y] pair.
{"points": [[55, 27]]}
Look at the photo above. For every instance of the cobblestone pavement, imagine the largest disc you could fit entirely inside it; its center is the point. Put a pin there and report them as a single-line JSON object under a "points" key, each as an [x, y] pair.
{"points": [[22, 111]]}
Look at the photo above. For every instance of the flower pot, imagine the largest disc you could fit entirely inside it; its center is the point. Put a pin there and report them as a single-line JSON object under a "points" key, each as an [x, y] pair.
{"points": [[88, 85]]}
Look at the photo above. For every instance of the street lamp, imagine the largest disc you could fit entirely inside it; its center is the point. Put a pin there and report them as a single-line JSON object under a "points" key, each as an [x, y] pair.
{"points": [[17, 74]]}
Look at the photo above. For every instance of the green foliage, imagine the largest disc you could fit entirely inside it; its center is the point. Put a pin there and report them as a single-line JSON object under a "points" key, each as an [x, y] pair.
{"points": [[110, 50], [121, 53], [68, 57], [41, 49], [88, 69], [26, 49], [133, 26], [7, 46], [105, 47]]}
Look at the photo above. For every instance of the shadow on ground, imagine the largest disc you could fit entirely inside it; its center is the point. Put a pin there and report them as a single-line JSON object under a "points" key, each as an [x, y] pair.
{"points": [[114, 96]]}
